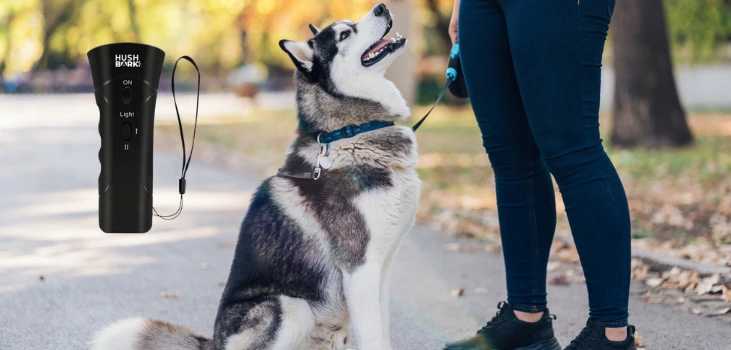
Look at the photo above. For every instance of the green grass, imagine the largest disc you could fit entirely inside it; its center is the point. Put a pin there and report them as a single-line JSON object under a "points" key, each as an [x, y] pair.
{"points": [[640, 234], [453, 132], [457, 177], [708, 160]]}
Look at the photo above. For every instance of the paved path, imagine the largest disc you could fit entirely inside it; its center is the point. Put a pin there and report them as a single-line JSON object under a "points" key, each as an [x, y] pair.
{"points": [[48, 227]]}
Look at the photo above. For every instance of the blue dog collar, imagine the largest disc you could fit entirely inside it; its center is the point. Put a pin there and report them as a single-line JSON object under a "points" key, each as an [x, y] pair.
{"points": [[351, 130]]}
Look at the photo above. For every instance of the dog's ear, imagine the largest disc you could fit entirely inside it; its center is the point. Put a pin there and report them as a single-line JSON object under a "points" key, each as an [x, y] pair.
{"points": [[314, 29], [300, 53]]}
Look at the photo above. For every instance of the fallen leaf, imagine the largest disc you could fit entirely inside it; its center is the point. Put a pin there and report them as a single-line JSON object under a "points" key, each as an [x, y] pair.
{"points": [[675, 271], [718, 289], [706, 285], [553, 266], [638, 340], [654, 282], [171, 295], [653, 299], [568, 254], [639, 270], [459, 248], [480, 290], [42, 278], [492, 248], [560, 280], [456, 292]]}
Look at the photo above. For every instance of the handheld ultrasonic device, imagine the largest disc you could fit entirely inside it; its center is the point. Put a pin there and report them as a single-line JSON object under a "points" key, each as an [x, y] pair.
{"points": [[126, 77], [455, 82], [454, 73]]}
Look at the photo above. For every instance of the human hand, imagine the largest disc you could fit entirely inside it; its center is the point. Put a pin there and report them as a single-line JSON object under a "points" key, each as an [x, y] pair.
{"points": [[454, 22]]}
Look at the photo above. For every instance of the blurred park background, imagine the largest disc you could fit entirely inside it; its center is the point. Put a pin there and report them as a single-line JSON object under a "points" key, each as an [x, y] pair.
{"points": [[666, 109]]}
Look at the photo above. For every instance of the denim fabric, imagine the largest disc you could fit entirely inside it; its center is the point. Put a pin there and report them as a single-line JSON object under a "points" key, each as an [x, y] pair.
{"points": [[533, 73]]}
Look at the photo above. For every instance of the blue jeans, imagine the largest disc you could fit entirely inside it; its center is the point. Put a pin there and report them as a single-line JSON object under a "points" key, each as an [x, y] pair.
{"points": [[533, 72]]}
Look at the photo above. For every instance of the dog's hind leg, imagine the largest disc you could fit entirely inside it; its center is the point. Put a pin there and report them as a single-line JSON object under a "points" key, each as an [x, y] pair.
{"points": [[363, 295], [248, 324], [274, 323], [298, 322]]}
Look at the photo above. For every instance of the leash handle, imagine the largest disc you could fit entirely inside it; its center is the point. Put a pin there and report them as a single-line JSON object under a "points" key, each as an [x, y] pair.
{"points": [[186, 164], [450, 79]]}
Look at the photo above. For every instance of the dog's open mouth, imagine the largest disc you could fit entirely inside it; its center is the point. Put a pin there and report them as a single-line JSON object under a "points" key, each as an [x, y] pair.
{"points": [[381, 49]]}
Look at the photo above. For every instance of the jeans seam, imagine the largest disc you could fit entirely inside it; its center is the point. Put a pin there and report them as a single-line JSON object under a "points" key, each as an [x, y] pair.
{"points": [[534, 233], [609, 10], [593, 161]]}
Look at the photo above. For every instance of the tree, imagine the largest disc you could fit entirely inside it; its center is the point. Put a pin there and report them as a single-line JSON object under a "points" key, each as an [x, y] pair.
{"points": [[55, 14], [5, 32], [697, 29], [441, 21], [647, 109]]}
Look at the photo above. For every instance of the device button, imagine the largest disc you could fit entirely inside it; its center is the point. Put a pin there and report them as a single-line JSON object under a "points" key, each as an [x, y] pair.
{"points": [[126, 95], [126, 132]]}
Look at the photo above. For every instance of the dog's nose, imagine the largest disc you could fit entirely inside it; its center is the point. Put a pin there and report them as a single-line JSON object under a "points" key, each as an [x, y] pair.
{"points": [[379, 10]]}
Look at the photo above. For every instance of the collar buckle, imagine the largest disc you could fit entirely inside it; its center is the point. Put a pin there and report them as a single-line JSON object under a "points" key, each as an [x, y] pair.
{"points": [[348, 131]]}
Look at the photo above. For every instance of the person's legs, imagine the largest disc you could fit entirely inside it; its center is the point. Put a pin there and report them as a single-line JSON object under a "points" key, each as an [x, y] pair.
{"points": [[525, 199], [557, 50]]}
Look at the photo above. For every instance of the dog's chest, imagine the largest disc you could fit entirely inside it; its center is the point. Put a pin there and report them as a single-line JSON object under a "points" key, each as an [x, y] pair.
{"points": [[389, 212]]}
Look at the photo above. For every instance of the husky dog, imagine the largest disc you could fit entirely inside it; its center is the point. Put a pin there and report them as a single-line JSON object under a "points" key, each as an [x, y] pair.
{"points": [[313, 256]]}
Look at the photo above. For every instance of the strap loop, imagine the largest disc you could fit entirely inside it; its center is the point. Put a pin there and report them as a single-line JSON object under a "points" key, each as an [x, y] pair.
{"points": [[186, 163]]}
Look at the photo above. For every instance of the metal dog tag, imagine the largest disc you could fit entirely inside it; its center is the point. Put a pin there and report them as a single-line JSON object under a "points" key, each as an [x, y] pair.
{"points": [[322, 159], [326, 162]]}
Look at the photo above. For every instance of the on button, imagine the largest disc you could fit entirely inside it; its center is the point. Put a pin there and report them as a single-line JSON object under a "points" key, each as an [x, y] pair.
{"points": [[126, 95]]}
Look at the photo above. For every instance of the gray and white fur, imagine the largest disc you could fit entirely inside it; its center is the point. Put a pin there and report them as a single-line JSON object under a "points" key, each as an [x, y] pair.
{"points": [[313, 257]]}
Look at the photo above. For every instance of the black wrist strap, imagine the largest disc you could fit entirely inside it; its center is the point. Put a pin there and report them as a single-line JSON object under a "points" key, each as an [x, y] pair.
{"points": [[186, 163]]}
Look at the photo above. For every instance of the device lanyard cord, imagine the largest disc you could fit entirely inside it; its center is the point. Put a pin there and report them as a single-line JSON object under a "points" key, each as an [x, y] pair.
{"points": [[186, 163]]}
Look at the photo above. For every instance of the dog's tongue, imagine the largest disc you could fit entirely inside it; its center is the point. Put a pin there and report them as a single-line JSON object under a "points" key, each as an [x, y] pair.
{"points": [[381, 44]]}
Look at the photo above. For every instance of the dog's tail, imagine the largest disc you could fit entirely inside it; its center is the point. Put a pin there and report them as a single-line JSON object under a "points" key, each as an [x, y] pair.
{"points": [[143, 334]]}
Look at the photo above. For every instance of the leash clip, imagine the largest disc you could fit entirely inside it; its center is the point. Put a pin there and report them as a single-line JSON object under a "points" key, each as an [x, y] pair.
{"points": [[324, 150], [323, 161]]}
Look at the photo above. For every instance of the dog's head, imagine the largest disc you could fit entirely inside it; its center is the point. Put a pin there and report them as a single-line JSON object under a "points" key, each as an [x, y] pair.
{"points": [[349, 60]]}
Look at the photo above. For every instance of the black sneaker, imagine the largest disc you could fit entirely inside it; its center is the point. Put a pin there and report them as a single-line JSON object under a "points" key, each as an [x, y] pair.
{"points": [[507, 332], [593, 338]]}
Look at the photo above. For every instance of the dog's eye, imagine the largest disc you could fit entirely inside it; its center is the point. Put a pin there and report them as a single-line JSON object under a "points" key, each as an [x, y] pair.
{"points": [[344, 35]]}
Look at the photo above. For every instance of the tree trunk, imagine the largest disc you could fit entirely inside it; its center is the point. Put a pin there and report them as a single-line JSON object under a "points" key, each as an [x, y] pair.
{"points": [[403, 70], [53, 17], [647, 109], [7, 49], [133, 20]]}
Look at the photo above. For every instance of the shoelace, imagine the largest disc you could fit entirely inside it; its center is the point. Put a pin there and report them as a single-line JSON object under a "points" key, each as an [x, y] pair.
{"points": [[577, 342], [499, 317]]}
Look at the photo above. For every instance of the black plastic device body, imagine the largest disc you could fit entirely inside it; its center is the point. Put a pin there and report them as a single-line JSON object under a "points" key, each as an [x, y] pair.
{"points": [[126, 77]]}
